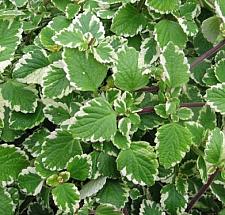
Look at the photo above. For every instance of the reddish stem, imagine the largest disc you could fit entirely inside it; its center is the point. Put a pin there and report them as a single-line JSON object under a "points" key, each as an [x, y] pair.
{"points": [[207, 54], [203, 189]]}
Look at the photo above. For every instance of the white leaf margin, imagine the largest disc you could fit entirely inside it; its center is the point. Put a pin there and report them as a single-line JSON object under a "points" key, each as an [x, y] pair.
{"points": [[35, 77], [163, 61], [27, 171], [218, 11], [99, 183], [4, 64], [82, 113], [18, 150], [86, 157], [61, 65], [220, 86], [139, 29], [148, 203], [75, 207]]}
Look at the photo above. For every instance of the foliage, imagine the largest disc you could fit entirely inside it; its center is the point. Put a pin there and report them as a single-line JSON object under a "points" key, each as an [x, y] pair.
{"points": [[112, 107]]}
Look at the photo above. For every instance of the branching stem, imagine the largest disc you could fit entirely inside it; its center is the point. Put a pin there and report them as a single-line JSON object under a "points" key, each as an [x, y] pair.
{"points": [[203, 189]]}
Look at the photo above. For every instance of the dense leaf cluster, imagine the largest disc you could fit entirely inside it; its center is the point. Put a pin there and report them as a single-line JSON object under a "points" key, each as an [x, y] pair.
{"points": [[112, 107]]}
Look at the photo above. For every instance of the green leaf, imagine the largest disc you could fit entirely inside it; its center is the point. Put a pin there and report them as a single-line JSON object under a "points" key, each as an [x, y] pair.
{"points": [[61, 5], [150, 208], [55, 25], [69, 38], [56, 112], [218, 190], [34, 142], [197, 131], [6, 203], [8, 134], [95, 170], [22, 121], [72, 9], [124, 126], [176, 138], [211, 28], [10, 38], [19, 3], [173, 201], [163, 6], [198, 73], [41, 170], [220, 9], [107, 210], [138, 163], [31, 67], [150, 121], [66, 197], [169, 31], [113, 193], [30, 182], [215, 97], [135, 193], [19, 97], [149, 52], [80, 69], [188, 25], [176, 74], [59, 148], [215, 148], [128, 75], [219, 70], [104, 53], [106, 165], [57, 179], [55, 84], [207, 118], [10, 15], [35, 208], [90, 25], [80, 167], [128, 21], [120, 141], [92, 187], [202, 168], [185, 113], [210, 78], [112, 1], [93, 119], [12, 161]]}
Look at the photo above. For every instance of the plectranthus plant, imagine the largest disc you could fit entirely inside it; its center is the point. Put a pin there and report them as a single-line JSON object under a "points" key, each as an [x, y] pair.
{"points": [[111, 107]]}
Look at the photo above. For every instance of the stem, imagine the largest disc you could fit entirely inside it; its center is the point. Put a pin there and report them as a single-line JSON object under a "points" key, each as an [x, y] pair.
{"points": [[203, 189], [193, 104], [195, 63], [208, 54], [152, 89], [189, 105]]}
